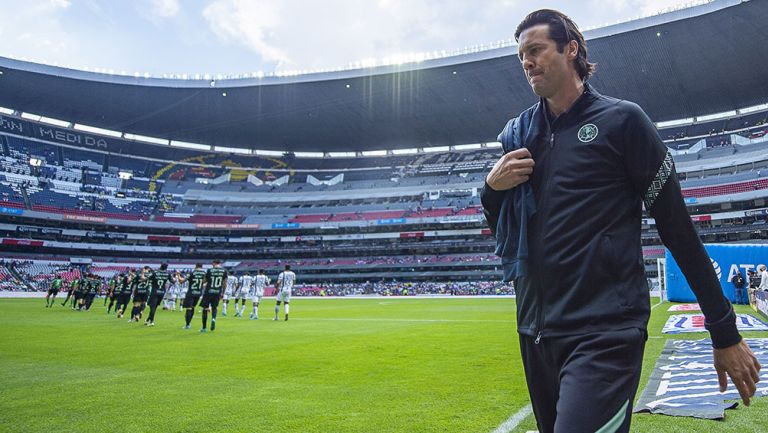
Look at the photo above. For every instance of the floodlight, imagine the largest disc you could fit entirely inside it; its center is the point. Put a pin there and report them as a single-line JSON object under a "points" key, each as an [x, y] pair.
{"points": [[35, 162], [125, 175]]}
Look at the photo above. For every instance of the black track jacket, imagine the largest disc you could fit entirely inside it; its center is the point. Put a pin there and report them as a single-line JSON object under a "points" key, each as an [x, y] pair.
{"points": [[596, 164]]}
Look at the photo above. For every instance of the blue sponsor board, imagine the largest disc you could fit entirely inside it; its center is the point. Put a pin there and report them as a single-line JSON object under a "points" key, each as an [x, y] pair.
{"points": [[761, 302], [680, 323], [684, 381], [391, 221], [690, 200], [285, 225], [726, 260], [11, 211]]}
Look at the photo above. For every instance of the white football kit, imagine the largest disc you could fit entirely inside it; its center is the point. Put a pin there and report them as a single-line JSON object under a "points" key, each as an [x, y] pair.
{"points": [[286, 280], [261, 282], [246, 283], [229, 290], [173, 291]]}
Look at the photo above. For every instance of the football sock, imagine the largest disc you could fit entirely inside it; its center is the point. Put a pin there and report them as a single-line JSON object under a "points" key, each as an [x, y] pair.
{"points": [[188, 317], [213, 319], [277, 310], [205, 318], [286, 309]]}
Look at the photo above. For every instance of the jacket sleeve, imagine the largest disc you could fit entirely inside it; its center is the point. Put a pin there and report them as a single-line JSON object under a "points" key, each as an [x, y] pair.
{"points": [[491, 200], [652, 172]]}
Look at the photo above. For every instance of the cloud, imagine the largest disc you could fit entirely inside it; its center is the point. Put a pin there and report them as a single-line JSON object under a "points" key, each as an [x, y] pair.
{"points": [[35, 30], [248, 23], [249, 35], [56, 4], [300, 34], [165, 8]]}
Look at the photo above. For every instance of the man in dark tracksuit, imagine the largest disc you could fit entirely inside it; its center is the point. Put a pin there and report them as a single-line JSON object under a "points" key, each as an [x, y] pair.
{"points": [[565, 203], [738, 284]]}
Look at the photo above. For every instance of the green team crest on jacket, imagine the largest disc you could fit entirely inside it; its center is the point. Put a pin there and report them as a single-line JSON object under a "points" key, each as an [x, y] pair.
{"points": [[588, 133]]}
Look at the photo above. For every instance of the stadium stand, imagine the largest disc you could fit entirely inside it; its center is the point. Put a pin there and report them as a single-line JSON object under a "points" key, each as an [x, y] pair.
{"points": [[332, 217]]}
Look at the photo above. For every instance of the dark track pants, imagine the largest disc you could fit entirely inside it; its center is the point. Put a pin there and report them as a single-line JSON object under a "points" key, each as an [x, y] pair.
{"points": [[584, 383]]}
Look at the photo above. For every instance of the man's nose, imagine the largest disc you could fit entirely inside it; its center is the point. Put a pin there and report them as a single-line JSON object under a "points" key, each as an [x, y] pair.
{"points": [[527, 63]]}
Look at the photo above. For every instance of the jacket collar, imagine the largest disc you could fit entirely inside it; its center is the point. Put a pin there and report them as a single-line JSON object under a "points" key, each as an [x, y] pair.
{"points": [[589, 94]]}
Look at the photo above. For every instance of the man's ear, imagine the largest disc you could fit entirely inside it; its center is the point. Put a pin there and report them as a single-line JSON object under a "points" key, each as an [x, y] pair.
{"points": [[573, 50]]}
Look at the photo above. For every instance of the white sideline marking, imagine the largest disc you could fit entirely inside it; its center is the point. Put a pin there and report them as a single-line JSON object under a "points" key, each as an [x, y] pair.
{"points": [[514, 420], [342, 319]]}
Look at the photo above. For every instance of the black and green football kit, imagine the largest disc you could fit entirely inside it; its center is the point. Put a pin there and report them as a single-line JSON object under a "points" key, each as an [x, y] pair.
{"points": [[196, 285], [216, 278], [159, 281]]}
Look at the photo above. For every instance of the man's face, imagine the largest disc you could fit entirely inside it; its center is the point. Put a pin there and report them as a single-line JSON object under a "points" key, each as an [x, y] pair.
{"points": [[546, 69]]}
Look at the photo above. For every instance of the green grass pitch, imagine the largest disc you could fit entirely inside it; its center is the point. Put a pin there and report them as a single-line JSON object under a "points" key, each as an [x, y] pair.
{"points": [[339, 365]]}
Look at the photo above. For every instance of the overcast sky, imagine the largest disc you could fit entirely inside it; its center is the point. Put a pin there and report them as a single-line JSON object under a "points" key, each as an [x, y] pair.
{"points": [[247, 36]]}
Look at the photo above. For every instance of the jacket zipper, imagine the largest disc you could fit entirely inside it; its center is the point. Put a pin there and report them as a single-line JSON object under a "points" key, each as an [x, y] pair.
{"points": [[540, 304], [545, 199]]}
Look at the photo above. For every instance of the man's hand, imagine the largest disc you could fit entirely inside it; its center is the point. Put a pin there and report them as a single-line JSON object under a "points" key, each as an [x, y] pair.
{"points": [[511, 170], [740, 364]]}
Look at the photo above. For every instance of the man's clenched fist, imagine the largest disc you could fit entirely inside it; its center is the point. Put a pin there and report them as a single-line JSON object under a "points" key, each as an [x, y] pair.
{"points": [[511, 170]]}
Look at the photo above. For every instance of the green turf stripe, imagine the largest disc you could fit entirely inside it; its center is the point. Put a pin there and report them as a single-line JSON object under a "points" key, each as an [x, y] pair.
{"points": [[615, 422]]}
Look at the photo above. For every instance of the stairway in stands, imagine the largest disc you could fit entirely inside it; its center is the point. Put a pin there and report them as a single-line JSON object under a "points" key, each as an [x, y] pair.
{"points": [[12, 270], [27, 202]]}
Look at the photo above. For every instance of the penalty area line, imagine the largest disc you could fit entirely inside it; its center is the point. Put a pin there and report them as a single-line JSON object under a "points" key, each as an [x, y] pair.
{"points": [[514, 420]]}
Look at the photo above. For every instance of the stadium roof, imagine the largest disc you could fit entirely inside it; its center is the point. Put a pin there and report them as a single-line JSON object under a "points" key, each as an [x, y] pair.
{"points": [[691, 62]]}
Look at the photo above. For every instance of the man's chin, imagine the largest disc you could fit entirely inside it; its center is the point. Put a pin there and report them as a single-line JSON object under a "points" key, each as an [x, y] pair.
{"points": [[539, 91]]}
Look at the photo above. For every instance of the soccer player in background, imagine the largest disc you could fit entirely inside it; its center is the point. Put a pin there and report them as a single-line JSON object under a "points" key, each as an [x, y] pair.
{"points": [[229, 292], [195, 285], [284, 285], [83, 287], [50, 298], [245, 283], [70, 291], [159, 283], [565, 204], [261, 281], [141, 293], [181, 292], [169, 303], [126, 290], [74, 291], [216, 278], [111, 293], [108, 293], [93, 283]]}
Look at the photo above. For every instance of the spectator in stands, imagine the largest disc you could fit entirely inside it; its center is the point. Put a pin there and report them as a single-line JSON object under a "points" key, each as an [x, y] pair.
{"points": [[568, 231], [738, 284]]}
